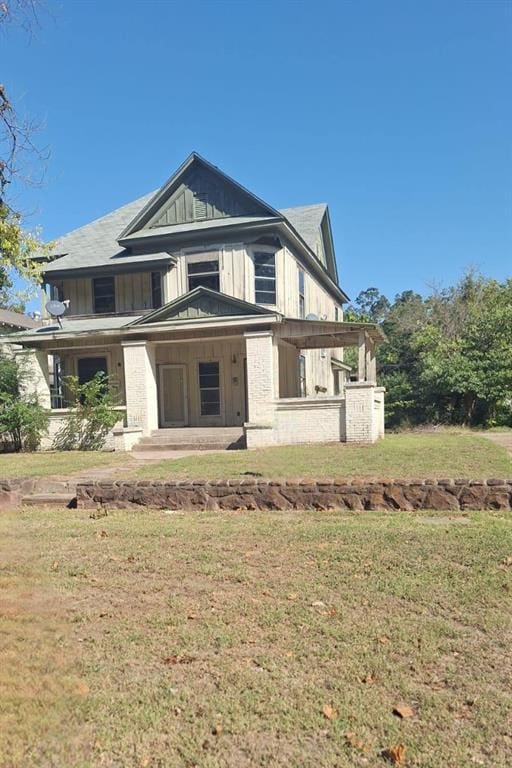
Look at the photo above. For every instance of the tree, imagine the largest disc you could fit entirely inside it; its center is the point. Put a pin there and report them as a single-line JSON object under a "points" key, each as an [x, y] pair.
{"points": [[18, 246]]}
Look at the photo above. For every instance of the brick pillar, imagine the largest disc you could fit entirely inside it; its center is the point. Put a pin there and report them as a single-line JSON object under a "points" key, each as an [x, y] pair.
{"points": [[140, 385], [35, 377], [360, 412], [262, 387]]}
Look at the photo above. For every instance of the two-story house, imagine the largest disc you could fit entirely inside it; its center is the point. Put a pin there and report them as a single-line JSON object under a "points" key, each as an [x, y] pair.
{"points": [[207, 308]]}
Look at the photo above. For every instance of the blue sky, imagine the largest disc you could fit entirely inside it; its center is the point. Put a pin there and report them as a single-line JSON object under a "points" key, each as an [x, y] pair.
{"points": [[398, 114]]}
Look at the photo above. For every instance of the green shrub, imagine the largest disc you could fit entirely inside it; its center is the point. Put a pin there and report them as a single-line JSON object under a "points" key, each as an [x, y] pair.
{"points": [[91, 419], [22, 421]]}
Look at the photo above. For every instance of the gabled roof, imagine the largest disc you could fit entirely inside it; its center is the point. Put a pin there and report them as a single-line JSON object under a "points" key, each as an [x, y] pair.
{"points": [[192, 171], [201, 302], [141, 235]]}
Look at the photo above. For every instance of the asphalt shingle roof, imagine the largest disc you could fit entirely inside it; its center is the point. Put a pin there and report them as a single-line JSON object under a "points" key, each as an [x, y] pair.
{"points": [[95, 244], [306, 219]]}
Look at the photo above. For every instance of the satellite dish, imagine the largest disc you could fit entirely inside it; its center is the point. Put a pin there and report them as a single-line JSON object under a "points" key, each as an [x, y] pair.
{"points": [[311, 316], [55, 308]]}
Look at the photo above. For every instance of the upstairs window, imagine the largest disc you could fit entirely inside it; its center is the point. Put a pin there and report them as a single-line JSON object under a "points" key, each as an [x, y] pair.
{"points": [[203, 269], [302, 294], [56, 292], [265, 277], [104, 295], [156, 290]]}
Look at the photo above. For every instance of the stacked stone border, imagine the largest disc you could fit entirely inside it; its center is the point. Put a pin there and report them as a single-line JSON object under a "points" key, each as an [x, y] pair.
{"points": [[256, 494]]}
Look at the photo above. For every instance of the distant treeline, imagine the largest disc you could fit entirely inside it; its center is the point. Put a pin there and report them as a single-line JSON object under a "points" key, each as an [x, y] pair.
{"points": [[448, 358]]}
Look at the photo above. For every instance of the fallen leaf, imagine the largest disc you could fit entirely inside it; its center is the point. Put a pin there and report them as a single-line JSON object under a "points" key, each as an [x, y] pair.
{"points": [[318, 604], [403, 711], [369, 679], [292, 596], [507, 561], [395, 754], [329, 712], [175, 659], [217, 729], [101, 535], [192, 616], [55, 565], [356, 743], [383, 639], [82, 688]]}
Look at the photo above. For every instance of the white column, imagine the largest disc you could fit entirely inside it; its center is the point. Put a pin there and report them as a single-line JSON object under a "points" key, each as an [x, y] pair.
{"points": [[140, 385], [361, 368], [262, 386], [34, 373], [371, 362]]}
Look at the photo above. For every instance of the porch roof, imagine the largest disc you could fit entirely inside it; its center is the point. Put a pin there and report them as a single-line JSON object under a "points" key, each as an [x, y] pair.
{"points": [[315, 334], [303, 334]]}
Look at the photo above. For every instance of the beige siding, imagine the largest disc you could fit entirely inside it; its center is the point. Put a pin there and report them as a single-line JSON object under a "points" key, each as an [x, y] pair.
{"points": [[114, 355], [133, 291], [230, 354]]}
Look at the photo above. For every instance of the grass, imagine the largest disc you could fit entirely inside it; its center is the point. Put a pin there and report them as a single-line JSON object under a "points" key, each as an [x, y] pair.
{"points": [[219, 640], [401, 456], [45, 464]]}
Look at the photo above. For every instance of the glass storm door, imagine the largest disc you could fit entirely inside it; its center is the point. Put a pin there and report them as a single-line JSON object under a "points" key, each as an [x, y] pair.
{"points": [[173, 396]]}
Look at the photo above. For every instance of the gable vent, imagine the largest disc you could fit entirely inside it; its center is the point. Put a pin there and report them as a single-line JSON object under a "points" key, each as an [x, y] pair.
{"points": [[200, 204]]}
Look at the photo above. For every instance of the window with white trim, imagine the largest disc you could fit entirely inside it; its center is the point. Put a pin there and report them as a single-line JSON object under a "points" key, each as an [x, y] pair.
{"points": [[265, 277], [302, 294], [203, 269], [209, 388]]}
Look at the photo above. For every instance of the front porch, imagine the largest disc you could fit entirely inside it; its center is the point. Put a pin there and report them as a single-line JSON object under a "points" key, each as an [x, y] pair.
{"points": [[276, 380]]}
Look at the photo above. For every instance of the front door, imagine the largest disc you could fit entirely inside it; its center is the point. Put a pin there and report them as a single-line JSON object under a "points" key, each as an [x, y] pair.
{"points": [[173, 396]]}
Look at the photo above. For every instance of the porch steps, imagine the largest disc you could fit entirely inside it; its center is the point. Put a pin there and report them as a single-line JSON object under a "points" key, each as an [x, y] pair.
{"points": [[67, 500], [193, 439]]}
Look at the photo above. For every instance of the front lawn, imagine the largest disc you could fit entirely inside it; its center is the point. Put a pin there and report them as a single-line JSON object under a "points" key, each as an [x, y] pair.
{"points": [[401, 456], [237, 640], [58, 463]]}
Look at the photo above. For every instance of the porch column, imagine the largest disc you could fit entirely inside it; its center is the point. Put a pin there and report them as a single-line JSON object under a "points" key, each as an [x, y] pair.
{"points": [[262, 386], [35, 376], [361, 425], [361, 367], [371, 362], [140, 385]]}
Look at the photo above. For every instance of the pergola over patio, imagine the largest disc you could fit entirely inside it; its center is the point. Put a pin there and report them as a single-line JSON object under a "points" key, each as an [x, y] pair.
{"points": [[322, 334]]}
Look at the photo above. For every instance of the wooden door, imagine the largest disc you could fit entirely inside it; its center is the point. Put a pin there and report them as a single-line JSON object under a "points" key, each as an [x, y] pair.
{"points": [[173, 396]]}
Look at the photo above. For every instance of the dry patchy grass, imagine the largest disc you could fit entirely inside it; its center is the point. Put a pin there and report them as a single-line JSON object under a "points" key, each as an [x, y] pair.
{"points": [[231, 640], [401, 456], [59, 463]]}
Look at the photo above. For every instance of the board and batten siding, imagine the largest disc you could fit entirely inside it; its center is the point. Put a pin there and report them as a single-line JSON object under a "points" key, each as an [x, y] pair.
{"points": [[133, 292], [230, 354]]}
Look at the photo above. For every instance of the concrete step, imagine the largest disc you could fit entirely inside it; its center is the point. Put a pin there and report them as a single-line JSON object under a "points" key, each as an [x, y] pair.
{"points": [[167, 445], [193, 439], [67, 500]]}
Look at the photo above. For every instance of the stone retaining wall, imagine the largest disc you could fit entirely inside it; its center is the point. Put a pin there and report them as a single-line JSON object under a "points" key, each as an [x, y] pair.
{"points": [[299, 494]]}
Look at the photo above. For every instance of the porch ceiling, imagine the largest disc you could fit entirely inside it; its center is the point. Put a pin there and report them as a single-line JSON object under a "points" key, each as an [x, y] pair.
{"points": [[318, 334]]}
